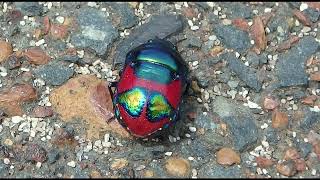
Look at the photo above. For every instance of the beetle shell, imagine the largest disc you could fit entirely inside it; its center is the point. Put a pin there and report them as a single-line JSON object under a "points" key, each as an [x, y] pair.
{"points": [[150, 89]]}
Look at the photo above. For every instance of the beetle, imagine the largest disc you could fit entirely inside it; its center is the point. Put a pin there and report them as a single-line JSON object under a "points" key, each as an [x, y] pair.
{"points": [[149, 93]]}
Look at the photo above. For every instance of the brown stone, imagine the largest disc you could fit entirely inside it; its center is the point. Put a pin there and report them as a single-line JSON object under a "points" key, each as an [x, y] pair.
{"points": [[63, 138], [288, 43], [14, 16], [263, 162], [291, 154], [178, 167], [315, 76], [37, 56], [241, 24], [266, 17], [148, 174], [227, 156], [119, 164], [86, 97], [95, 174], [11, 99], [58, 31], [287, 168], [42, 111], [37, 33], [309, 100], [258, 34], [300, 165], [189, 12], [301, 17], [280, 120], [216, 50], [314, 5], [269, 103], [46, 23], [5, 50]]}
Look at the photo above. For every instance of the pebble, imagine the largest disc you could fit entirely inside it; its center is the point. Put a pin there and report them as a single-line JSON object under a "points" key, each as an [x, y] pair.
{"points": [[60, 19], [17, 119], [227, 156], [193, 129], [168, 153], [72, 164], [178, 167], [303, 6], [6, 161]]}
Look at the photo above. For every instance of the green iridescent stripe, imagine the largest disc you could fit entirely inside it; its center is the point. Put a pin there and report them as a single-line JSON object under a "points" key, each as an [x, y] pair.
{"points": [[157, 56], [153, 72], [133, 101], [158, 107]]}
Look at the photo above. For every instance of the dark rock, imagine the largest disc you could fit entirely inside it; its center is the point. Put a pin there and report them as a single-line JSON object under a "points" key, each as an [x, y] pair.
{"points": [[29, 8], [239, 121], [311, 118], [213, 169], [225, 76], [205, 121], [246, 74], [212, 18], [238, 9], [4, 169], [305, 149], [161, 26], [203, 78], [278, 21], [203, 5], [53, 156], [312, 14], [213, 60], [192, 41], [54, 73], [72, 59], [232, 37], [253, 59], [127, 17], [96, 32], [35, 153], [290, 66], [272, 136]]}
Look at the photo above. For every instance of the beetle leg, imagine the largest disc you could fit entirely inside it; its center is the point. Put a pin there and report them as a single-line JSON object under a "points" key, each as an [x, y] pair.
{"points": [[110, 86]]}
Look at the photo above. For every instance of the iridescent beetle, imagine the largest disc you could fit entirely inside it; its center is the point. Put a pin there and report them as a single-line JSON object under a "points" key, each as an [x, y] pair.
{"points": [[152, 83]]}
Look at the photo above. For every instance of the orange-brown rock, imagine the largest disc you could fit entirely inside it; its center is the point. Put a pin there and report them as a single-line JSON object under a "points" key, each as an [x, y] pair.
{"points": [[42, 111], [241, 23], [37, 56], [301, 17], [292, 154], [300, 164], [263, 162], [288, 43], [287, 168], [58, 31], [5, 50], [315, 76], [178, 167], [227, 156], [309, 100], [119, 164], [269, 103], [258, 34], [314, 5], [11, 99], [280, 120], [86, 97]]}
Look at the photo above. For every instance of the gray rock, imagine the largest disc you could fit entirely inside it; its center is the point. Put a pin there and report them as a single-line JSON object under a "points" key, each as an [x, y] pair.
{"points": [[246, 74], [272, 136], [96, 32], [233, 84], [214, 170], [54, 73], [4, 169], [305, 149], [71, 59], [310, 120], [53, 156], [127, 17], [203, 5], [205, 121], [312, 14], [278, 21], [238, 9], [225, 76], [29, 8], [159, 25], [192, 41], [253, 59], [239, 120], [232, 37], [290, 66]]}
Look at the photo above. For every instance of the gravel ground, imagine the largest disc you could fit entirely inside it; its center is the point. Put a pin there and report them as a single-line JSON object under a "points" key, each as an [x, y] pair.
{"points": [[253, 109]]}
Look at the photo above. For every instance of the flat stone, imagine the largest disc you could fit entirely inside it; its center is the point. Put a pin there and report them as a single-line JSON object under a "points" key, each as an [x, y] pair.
{"points": [[290, 66], [310, 119], [178, 167], [312, 14], [232, 37], [128, 19], [239, 121], [54, 73], [246, 74], [161, 26], [96, 31], [238, 9], [215, 170], [29, 8]]}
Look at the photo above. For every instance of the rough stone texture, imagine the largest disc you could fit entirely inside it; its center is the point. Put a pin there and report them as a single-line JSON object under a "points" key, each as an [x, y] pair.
{"points": [[232, 37], [96, 32], [29, 8], [161, 26], [218, 171], [245, 73], [78, 99], [290, 66], [54, 73]]}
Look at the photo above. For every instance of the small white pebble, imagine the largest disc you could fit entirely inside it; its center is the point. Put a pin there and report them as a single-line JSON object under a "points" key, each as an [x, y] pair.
{"points": [[71, 164], [314, 172], [6, 161], [38, 165], [303, 6], [49, 5], [40, 42], [22, 23], [294, 134], [267, 10], [264, 126], [191, 158], [60, 19], [193, 28], [168, 153], [192, 129]]}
